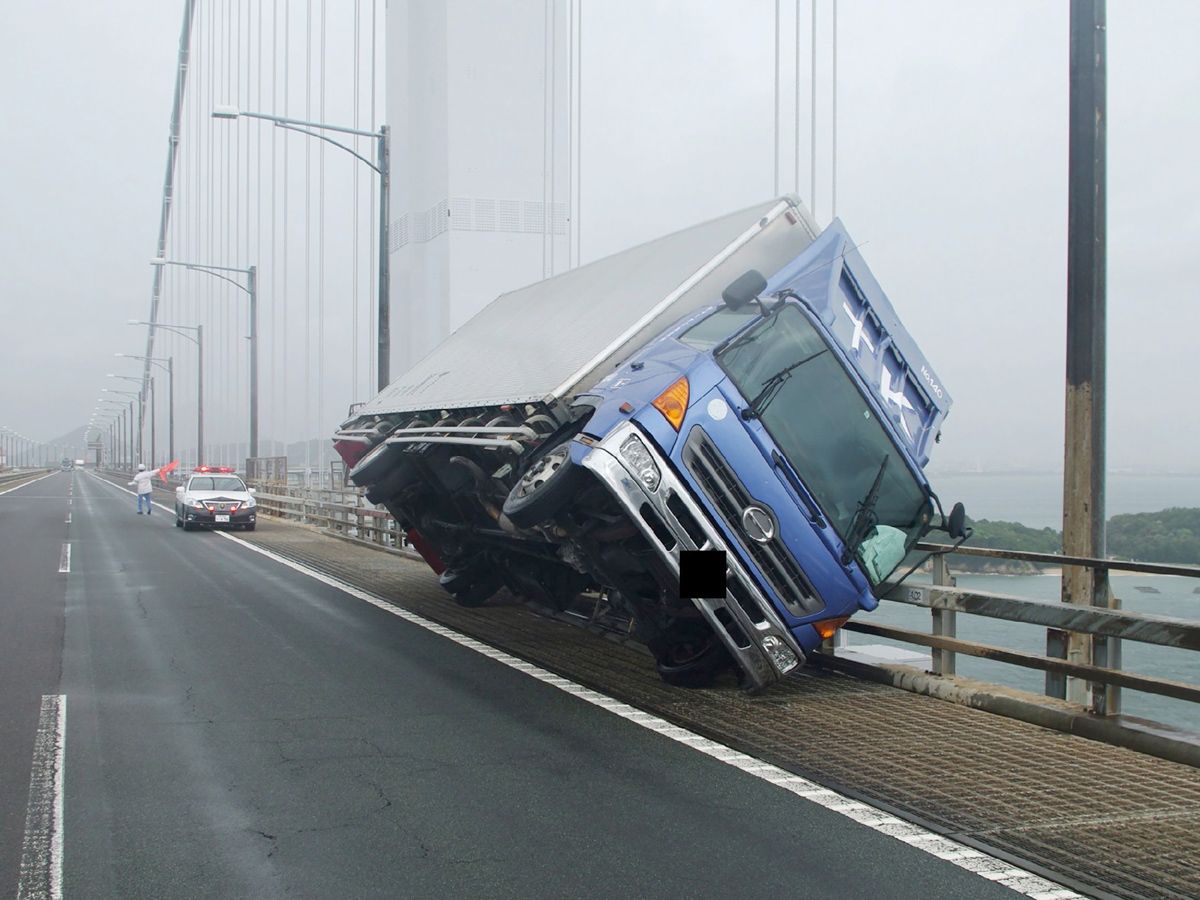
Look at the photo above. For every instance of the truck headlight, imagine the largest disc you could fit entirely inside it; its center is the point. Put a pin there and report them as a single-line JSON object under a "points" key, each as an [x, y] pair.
{"points": [[638, 456], [783, 657]]}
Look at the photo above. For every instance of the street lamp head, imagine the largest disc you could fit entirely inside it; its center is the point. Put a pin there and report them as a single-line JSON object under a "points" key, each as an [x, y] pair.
{"points": [[224, 111], [136, 322], [158, 261]]}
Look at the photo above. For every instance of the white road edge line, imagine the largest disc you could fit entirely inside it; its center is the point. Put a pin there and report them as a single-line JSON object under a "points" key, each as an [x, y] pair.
{"points": [[915, 836], [64, 561], [41, 875], [26, 484]]}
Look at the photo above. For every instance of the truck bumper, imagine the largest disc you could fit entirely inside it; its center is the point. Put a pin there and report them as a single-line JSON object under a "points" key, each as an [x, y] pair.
{"points": [[744, 619]]}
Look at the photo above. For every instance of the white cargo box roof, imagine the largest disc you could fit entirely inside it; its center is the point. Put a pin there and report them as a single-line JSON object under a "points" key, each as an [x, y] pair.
{"points": [[558, 337]]}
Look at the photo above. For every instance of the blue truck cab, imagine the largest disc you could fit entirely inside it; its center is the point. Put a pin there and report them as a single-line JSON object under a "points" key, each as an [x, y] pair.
{"points": [[787, 430], [713, 441]]}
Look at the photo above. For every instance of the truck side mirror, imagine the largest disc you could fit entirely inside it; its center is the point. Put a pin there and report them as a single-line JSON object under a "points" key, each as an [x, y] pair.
{"points": [[956, 527], [744, 289]]}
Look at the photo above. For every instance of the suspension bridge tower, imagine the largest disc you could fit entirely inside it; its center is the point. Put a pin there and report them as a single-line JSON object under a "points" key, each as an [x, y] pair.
{"points": [[479, 104]]}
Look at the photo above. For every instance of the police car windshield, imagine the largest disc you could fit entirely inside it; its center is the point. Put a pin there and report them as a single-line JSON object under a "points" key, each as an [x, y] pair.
{"points": [[216, 483]]}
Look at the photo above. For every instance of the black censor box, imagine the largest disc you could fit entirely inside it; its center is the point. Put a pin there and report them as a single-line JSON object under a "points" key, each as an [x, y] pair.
{"points": [[701, 574]]}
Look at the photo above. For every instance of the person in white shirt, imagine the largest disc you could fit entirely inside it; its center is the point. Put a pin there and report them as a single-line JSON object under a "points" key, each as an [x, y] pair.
{"points": [[142, 481]]}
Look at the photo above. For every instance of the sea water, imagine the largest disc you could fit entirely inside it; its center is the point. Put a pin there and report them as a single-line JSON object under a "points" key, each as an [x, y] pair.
{"points": [[1036, 500]]}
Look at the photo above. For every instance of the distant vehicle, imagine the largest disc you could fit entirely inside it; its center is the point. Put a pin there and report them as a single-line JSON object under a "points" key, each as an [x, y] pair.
{"points": [[214, 497], [79, 463], [67, 465], [722, 433]]}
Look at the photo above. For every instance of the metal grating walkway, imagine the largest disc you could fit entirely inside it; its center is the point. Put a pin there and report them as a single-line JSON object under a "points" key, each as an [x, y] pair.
{"points": [[1108, 821]]}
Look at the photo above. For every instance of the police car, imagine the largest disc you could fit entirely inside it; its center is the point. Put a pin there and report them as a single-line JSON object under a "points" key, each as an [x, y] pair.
{"points": [[215, 497]]}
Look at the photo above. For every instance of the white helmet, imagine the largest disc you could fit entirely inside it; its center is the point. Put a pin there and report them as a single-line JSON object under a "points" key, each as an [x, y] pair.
{"points": [[141, 467]]}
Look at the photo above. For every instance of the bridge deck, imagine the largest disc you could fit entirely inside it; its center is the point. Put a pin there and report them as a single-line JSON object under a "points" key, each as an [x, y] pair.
{"points": [[1108, 821]]}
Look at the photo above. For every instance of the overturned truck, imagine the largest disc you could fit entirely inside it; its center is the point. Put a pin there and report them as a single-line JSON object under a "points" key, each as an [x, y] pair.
{"points": [[720, 434]]}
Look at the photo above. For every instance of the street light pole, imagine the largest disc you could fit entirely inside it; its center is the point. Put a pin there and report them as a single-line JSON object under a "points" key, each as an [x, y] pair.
{"points": [[198, 340], [251, 288], [381, 166], [153, 423], [138, 395], [170, 367], [141, 430]]}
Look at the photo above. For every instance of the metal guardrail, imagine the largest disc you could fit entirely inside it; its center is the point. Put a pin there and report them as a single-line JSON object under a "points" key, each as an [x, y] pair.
{"points": [[10, 475], [1110, 624], [343, 512]]}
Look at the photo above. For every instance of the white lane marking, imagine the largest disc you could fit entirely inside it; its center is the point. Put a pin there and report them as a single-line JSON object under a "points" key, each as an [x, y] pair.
{"points": [[64, 561], [41, 875], [915, 836], [68, 518], [25, 484]]}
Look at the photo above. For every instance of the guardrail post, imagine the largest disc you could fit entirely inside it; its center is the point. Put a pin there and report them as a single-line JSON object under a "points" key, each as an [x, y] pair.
{"points": [[1106, 651], [945, 621]]}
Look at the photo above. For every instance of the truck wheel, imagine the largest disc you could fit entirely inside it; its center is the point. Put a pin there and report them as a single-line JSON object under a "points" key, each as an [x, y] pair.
{"points": [[547, 486], [377, 463], [467, 589], [692, 664]]}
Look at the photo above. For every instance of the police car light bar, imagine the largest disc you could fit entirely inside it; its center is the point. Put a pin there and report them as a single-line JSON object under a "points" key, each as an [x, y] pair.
{"points": [[214, 469]]}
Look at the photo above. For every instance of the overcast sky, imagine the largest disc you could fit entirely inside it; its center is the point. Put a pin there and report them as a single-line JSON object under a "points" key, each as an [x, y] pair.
{"points": [[951, 174]]}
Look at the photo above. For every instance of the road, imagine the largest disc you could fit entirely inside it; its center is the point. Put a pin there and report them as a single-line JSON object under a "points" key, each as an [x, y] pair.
{"points": [[236, 728]]}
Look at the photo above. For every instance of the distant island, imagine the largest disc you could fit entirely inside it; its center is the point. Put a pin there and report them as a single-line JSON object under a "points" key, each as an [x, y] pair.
{"points": [[1167, 536]]}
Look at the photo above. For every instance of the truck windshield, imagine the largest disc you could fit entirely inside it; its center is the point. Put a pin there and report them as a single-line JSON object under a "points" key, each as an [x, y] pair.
{"points": [[824, 426]]}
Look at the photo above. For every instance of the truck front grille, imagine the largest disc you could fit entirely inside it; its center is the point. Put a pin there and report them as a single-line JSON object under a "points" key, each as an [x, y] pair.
{"points": [[729, 496]]}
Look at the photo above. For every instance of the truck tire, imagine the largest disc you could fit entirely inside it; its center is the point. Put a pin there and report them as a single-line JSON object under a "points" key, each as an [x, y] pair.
{"points": [[692, 664], [377, 463], [549, 483], [467, 588]]}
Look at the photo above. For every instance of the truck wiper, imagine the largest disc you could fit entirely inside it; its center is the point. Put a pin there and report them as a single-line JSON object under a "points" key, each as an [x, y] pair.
{"points": [[771, 386], [864, 517], [750, 335]]}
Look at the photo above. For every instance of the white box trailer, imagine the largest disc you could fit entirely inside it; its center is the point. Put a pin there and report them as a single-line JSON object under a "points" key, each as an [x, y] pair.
{"points": [[549, 341]]}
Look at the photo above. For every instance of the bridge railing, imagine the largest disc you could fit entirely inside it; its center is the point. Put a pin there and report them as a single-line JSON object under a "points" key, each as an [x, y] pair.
{"points": [[945, 601], [343, 511]]}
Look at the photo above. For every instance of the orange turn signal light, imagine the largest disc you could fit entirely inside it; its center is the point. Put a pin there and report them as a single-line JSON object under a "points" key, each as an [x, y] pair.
{"points": [[672, 402], [827, 627]]}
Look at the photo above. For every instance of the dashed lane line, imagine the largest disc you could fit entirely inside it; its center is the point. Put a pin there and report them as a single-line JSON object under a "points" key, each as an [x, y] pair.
{"points": [[64, 561], [41, 876]]}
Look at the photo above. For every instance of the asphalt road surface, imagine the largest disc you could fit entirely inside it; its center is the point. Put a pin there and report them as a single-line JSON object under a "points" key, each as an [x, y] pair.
{"points": [[235, 728]]}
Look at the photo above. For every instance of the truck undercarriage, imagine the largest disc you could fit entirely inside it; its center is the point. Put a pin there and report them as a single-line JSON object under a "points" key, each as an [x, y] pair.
{"points": [[492, 500]]}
